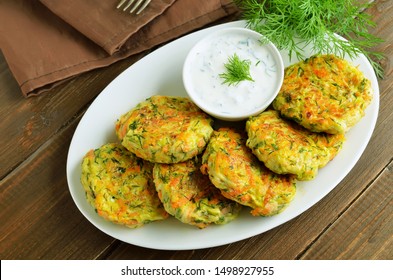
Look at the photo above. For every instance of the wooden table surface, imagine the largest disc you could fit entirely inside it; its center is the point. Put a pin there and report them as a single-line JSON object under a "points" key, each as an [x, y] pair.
{"points": [[39, 219]]}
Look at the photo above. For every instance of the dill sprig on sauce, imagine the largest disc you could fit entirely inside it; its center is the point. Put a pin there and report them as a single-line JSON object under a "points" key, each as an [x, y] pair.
{"points": [[237, 70], [292, 24]]}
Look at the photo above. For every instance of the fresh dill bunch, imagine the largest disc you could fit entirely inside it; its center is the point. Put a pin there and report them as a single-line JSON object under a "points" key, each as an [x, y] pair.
{"points": [[237, 70], [293, 24]]}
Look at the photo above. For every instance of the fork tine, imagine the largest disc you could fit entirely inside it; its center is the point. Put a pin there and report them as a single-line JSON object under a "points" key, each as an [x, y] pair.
{"points": [[135, 6], [121, 4], [128, 5], [143, 6]]}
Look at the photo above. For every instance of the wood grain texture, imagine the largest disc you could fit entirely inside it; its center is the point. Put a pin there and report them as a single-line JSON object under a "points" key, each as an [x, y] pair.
{"points": [[27, 123], [39, 219], [365, 230]]}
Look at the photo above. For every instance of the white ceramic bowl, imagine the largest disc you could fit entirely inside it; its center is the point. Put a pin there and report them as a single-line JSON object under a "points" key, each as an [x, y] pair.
{"points": [[206, 61]]}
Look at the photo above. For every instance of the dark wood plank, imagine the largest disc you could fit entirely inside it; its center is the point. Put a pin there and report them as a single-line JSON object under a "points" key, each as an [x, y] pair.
{"points": [[39, 219], [365, 230], [27, 123]]}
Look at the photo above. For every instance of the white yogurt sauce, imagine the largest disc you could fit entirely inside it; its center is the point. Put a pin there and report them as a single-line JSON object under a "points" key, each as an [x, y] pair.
{"points": [[244, 97]]}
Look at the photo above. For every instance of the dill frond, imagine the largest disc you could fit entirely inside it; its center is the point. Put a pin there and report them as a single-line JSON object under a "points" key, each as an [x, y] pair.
{"points": [[292, 24], [237, 70]]}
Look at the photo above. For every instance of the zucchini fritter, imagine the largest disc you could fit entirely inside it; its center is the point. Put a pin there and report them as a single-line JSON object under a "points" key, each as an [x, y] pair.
{"points": [[287, 148], [240, 176], [324, 93], [165, 129], [120, 186], [190, 197]]}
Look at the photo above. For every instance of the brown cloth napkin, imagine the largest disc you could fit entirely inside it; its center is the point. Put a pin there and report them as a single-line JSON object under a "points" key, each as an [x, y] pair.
{"points": [[100, 23], [45, 42]]}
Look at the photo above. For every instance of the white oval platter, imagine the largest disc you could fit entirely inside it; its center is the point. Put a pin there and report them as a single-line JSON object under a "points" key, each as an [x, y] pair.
{"points": [[160, 72]]}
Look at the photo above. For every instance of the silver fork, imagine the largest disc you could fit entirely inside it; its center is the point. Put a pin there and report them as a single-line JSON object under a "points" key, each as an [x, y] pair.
{"points": [[136, 7]]}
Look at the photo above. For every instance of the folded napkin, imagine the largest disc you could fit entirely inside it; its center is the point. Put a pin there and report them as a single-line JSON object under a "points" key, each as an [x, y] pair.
{"points": [[45, 42]]}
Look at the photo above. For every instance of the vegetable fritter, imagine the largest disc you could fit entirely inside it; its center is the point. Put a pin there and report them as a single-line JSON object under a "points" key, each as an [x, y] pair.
{"points": [[240, 176], [120, 186], [190, 197], [287, 148], [165, 129], [324, 93]]}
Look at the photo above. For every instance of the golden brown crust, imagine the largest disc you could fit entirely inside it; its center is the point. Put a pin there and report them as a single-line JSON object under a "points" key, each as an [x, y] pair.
{"points": [[240, 176], [287, 148], [120, 187], [165, 129], [324, 93], [190, 197]]}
